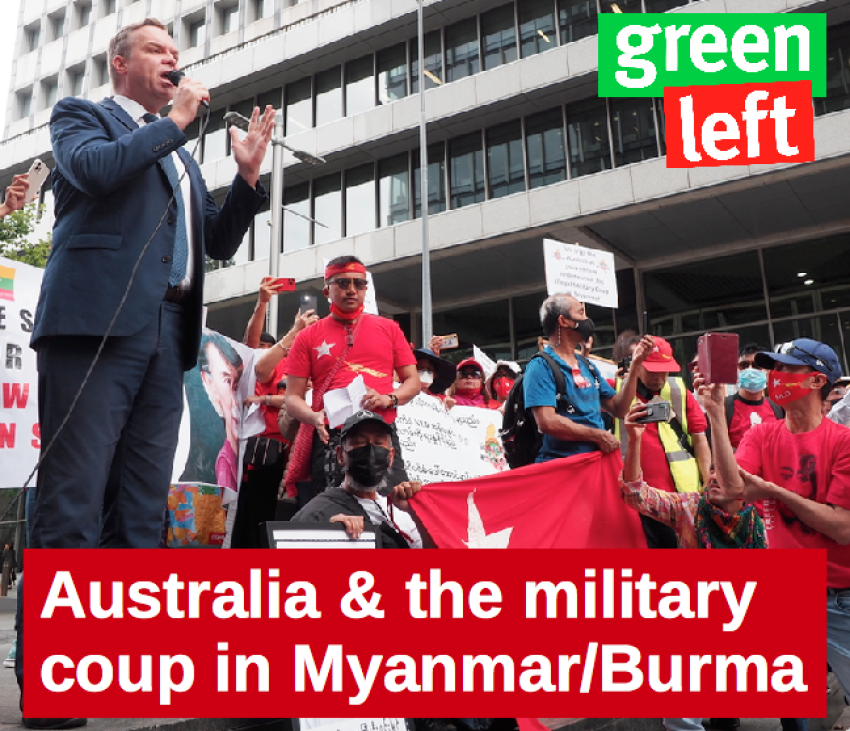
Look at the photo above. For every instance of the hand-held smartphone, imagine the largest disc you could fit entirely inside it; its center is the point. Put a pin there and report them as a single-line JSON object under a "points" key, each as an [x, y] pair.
{"points": [[656, 411], [38, 173], [450, 341], [309, 302], [284, 284], [717, 355]]}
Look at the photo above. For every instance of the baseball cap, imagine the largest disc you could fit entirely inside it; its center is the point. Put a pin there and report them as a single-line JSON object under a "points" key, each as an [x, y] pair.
{"points": [[360, 417], [660, 359], [805, 352], [470, 363]]}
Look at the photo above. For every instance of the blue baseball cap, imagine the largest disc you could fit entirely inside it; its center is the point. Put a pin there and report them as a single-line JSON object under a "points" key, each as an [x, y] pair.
{"points": [[805, 352]]}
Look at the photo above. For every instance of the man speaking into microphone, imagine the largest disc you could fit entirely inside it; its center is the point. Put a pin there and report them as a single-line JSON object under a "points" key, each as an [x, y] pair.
{"points": [[129, 243]]}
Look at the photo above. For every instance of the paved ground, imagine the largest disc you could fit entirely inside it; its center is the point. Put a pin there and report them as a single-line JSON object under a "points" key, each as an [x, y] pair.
{"points": [[10, 716]]}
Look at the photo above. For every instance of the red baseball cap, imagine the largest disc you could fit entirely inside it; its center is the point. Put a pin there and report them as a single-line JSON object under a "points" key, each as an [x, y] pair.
{"points": [[660, 359]]}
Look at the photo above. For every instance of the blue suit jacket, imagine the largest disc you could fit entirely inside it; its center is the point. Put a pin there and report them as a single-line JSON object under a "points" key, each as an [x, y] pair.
{"points": [[110, 193]]}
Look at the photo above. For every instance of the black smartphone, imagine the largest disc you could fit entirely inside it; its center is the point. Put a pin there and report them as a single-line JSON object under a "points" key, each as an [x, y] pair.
{"points": [[309, 302], [655, 411]]}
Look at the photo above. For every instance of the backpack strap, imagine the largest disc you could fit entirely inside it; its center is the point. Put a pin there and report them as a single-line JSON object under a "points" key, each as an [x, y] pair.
{"points": [[778, 411], [594, 371], [560, 381], [730, 408]]}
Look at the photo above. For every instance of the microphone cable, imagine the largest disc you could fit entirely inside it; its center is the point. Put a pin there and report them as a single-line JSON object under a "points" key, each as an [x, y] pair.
{"points": [[46, 449]]}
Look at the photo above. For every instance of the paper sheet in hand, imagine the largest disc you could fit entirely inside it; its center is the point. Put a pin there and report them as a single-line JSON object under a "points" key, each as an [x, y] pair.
{"points": [[343, 402]]}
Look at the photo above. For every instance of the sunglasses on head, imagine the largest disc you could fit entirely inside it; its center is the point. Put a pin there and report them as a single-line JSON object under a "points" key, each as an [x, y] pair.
{"points": [[345, 283], [470, 373]]}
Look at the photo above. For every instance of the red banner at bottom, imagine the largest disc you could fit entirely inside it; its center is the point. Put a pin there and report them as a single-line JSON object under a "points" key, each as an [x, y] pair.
{"points": [[456, 634]]}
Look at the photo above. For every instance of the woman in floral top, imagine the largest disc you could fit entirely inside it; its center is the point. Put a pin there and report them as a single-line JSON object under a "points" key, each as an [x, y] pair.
{"points": [[701, 519]]}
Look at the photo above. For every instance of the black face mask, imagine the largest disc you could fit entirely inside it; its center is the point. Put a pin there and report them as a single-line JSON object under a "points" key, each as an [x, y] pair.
{"points": [[368, 465], [585, 328]]}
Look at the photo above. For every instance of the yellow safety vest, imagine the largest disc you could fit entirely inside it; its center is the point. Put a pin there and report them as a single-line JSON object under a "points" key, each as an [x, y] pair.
{"points": [[683, 465]]}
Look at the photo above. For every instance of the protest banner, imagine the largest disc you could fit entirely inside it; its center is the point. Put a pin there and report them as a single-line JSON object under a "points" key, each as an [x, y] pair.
{"points": [[441, 445], [20, 438], [587, 274]]}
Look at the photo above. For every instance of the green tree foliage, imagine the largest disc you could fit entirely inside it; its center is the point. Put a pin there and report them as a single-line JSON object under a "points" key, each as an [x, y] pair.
{"points": [[16, 241]]}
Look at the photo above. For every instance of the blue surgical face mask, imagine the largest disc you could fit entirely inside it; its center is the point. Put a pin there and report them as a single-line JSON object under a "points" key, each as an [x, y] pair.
{"points": [[752, 379]]}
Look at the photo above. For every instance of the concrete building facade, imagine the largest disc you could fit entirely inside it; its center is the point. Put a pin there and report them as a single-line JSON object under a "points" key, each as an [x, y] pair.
{"points": [[520, 148]]}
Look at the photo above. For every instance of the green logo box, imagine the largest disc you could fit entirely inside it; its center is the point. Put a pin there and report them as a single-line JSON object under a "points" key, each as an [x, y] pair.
{"points": [[641, 53]]}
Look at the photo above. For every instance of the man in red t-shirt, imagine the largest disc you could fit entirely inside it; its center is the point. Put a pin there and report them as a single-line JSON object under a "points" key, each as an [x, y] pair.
{"points": [[800, 468], [749, 406], [332, 353]]}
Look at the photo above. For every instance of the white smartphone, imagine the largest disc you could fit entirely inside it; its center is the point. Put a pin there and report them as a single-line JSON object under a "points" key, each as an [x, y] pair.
{"points": [[38, 173]]}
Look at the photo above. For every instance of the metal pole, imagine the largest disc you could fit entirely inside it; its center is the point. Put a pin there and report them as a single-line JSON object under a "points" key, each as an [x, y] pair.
{"points": [[427, 316], [277, 213]]}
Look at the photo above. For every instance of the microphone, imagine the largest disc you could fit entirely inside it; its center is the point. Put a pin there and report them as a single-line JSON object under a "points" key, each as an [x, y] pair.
{"points": [[175, 76]]}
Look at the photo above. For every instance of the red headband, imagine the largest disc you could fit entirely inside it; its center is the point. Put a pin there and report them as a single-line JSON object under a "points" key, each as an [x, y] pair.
{"points": [[354, 267]]}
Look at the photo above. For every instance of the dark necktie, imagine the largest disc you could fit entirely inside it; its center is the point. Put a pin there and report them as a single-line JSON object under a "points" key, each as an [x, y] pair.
{"points": [[181, 244]]}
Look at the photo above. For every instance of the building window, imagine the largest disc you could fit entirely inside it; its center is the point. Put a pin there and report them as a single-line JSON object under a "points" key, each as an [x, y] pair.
{"points": [[49, 92], [32, 36], [100, 71], [466, 170], [837, 71], [360, 200], [76, 76], [498, 35], [633, 127], [433, 62], [57, 26], [196, 31], [462, 55], [536, 26], [24, 103], [228, 18], [625, 6], [662, 6], [327, 209], [83, 14], [436, 180], [393, 190], [360, 85], [299, 106], [215, 138], [296, 217], [547, 155], [578, 19], [107, 7], [329, 95], [263, 9], [392, 73], [505, 166], [587, 127]]}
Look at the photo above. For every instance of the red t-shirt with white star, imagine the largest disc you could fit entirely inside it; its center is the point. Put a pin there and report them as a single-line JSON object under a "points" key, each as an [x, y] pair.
{"points": [[379, 349]]}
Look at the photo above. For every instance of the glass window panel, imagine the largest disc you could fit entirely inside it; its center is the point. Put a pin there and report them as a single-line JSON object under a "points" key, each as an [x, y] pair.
{"points": [[33, 36], [229, 18], [263, 9], [824, 264], [75, 82], [329, 95], [83, 15], [536, 26], [299, 106], [433, 62], [197, 32], [498, 35], [466, 170], [578, 19], [191, 133], [837, 71], [587, 127], [436, 180], [505, 164], [327, 209], [272, 97], [215, 138], [462, 58], [262, 234], [394, 190], [707, 295], [662, 6], [57, 25], [633, 125], [625, 6], [826, 329], [392, 74], [360, 85], [296, 228], [484, 324], [360, 199], [547, 154]]}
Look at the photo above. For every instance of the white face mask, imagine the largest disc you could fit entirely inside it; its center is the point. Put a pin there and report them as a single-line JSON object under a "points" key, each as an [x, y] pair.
{"points": [[426, 377]]}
